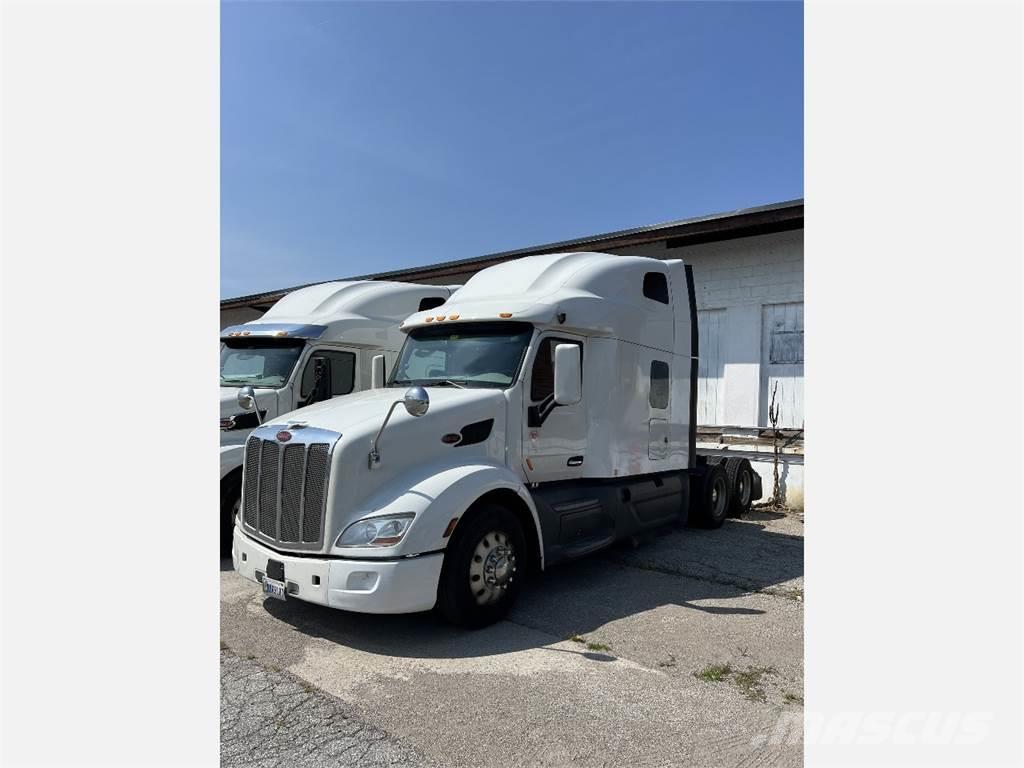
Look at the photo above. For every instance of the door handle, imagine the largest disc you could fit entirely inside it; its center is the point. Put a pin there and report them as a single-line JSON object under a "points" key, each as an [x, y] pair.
{"points": [[574, 461]]}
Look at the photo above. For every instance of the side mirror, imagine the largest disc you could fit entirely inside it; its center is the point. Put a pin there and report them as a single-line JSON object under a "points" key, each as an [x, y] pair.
{"points": [[246, 398], [247, 401], [416, 401], [377, 373], [568, 378]]}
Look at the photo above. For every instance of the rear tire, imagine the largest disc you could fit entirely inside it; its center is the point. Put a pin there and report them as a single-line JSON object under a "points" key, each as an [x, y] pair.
{"points": [[712, 503], [230, 502], [741, 486], [484, 567]]}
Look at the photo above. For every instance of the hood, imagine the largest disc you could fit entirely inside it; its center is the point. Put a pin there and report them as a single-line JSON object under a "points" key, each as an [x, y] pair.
{"points": [[360, 414], [461, 426]]}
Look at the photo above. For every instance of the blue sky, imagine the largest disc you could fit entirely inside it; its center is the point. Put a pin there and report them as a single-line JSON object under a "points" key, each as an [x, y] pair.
{"points": [[363, 137]]}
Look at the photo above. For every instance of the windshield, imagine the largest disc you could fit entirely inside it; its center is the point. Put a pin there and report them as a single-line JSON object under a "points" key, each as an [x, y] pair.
{"points": [[258, 362], [466, 355]]}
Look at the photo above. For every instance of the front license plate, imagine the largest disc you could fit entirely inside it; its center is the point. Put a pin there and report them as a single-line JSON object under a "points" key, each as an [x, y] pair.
{"points": [[274, 588]]}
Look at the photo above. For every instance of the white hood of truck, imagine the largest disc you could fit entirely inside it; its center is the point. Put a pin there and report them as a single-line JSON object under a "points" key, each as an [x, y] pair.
{"points": [[364, 412]]}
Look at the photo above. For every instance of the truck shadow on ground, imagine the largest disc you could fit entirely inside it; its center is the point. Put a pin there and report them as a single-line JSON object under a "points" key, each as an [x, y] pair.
{"points": [[710, 572]]}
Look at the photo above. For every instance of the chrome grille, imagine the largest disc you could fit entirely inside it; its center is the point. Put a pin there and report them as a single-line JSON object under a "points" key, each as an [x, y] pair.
{"points": [[285, 487], [252, 458], [316, 485], [268, 489], [291, 492]]}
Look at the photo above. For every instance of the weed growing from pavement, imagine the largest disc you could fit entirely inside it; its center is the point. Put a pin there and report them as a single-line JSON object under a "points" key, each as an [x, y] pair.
{"points": [[750, 680], [590, 644], [751, 684], [714, 673], [792, 698]]}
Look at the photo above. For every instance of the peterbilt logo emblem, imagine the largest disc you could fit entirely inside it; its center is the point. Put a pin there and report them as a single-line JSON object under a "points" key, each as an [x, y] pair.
{"points": [[284, 436]]}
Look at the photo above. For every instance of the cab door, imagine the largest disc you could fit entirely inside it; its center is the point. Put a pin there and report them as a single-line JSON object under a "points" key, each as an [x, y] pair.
{"points": [[554, 436]]}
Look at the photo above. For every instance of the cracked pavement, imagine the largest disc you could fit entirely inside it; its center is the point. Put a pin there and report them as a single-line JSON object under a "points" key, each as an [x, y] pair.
{"points": [[528, 691], [269, 718]]}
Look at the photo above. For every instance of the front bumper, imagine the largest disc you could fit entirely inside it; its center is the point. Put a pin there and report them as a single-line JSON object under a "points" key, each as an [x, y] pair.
{"points": [[366, 586]]}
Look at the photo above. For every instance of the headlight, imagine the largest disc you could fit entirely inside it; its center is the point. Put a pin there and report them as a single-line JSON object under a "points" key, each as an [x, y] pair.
{"points": [[376, 531]]}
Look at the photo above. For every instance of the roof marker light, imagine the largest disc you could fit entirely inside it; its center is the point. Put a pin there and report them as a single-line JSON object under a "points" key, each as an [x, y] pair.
{"points": [[281, 333], [429, 319], [439, 318], [505, 315], [453, 317]]}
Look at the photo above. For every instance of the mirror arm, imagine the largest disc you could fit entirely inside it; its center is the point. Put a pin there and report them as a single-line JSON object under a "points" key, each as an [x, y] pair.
{"points": [[374, 453]]}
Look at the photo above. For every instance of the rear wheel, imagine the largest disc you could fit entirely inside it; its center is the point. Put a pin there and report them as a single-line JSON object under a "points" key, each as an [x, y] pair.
{"points": [[741, 486], [712, 504], [484, 566]]}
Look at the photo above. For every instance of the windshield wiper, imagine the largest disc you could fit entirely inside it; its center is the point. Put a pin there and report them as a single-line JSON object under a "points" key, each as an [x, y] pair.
{"points": [[449, 383]]}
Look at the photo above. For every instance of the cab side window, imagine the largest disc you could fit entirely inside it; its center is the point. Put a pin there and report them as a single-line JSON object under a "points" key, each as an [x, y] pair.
{"points": [[343, 370], [542, 378]]}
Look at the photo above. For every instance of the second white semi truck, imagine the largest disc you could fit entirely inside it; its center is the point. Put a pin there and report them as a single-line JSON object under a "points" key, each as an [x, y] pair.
{"points": [[542, 413], [314, 344]]}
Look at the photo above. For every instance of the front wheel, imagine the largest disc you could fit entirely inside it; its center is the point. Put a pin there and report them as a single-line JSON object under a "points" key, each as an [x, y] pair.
{"points": [[483, 569]]}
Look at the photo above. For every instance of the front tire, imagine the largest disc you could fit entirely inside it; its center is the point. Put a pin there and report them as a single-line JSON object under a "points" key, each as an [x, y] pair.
{"points": [[484, 567]]}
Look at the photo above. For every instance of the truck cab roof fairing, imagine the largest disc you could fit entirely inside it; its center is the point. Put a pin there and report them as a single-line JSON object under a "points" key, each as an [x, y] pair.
{"points": [[597, 294]]}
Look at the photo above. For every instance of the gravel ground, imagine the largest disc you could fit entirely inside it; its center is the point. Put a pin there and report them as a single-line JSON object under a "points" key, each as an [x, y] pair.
{"points": [[269, 718], [684, 649]]}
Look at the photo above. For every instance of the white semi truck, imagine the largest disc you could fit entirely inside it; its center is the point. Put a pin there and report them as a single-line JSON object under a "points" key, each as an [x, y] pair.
{"points": [[312, 345], [542, 413]]}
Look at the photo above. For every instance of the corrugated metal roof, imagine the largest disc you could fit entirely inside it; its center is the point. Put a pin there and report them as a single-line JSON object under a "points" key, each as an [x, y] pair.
{"points": [[716, 226]]}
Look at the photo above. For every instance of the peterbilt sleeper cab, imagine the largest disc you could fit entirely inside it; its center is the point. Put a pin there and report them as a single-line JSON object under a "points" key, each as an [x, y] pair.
{"points": [[314, 344], [543, 412]]}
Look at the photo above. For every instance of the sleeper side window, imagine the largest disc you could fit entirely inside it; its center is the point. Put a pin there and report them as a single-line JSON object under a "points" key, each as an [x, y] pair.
{"points": [[656, 287], [542, 378], [659, 384]]}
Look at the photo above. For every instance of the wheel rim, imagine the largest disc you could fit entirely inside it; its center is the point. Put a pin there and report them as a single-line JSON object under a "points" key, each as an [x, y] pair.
{"points": [[718, 498], [743, 489], [492, 568]]}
